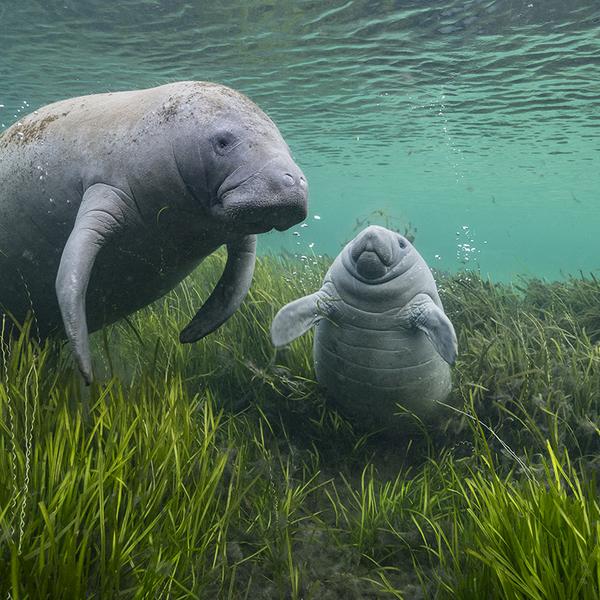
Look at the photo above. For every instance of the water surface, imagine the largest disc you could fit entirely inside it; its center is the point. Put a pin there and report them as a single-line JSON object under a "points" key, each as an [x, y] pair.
{"points": [[476, 121]]}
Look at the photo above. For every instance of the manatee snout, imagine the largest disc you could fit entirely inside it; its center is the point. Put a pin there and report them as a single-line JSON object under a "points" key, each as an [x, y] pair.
{"points": [[274, 196], [376, 250], [290, 199]]}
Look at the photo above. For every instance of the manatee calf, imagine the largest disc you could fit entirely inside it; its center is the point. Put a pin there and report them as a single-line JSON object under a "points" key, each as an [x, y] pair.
{"points": [[108, 201], [382, 337]]}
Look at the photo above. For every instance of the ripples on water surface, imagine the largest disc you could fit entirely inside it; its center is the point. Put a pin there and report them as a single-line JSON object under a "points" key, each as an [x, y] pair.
{"points": [[475, 120]]}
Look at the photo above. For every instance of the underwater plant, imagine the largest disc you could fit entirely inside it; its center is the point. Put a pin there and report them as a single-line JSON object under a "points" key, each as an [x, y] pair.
{"points": [[220, 470]]}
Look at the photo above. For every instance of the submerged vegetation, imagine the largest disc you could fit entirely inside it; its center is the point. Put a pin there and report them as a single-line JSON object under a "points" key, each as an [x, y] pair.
{"points": [[217, 470]]}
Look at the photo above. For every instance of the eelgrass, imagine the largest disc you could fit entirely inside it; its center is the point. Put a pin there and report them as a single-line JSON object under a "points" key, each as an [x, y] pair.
{"points": [[533, 538], [218, 470]]}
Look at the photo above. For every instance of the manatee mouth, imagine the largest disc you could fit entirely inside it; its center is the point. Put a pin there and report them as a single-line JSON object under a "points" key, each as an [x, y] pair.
{"points": [[272, 197], [376, 255], [250, 212], [370, 265], [373, 256]]}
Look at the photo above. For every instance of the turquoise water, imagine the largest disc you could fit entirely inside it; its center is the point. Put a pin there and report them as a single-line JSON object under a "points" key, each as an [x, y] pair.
{"points": [[476, 121]]}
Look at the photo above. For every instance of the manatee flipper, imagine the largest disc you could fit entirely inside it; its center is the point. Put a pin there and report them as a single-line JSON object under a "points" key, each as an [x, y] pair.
{"points": [[103, 212], [297, 317], [228, 294], [431, 319]]}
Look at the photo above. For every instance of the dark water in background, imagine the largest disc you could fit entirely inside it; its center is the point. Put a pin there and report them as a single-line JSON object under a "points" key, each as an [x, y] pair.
{"points": [[478, 121]]}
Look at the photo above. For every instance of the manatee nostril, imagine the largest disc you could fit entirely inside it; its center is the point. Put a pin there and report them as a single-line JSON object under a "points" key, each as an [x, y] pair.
{"points": [[302, 181], [288, 179]]}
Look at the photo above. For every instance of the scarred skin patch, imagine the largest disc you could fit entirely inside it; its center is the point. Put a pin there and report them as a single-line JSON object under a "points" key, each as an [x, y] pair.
{"points": [[27, 131]]}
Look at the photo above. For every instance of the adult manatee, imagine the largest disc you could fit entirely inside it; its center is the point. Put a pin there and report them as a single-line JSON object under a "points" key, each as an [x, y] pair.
{"points": [[108, 201], [382, 337]]}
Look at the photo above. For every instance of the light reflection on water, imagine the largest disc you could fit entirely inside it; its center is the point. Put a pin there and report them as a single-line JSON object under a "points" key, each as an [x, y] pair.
{"points": [[475, 113]]}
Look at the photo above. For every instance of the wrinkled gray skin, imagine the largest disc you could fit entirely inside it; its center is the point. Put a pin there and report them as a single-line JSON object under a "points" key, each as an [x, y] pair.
{"points": [[382, 337], [108, 201]]}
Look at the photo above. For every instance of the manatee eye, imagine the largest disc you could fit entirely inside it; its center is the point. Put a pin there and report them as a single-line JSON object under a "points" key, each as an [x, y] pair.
{"points": [[402, 244], [223, 142]]}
